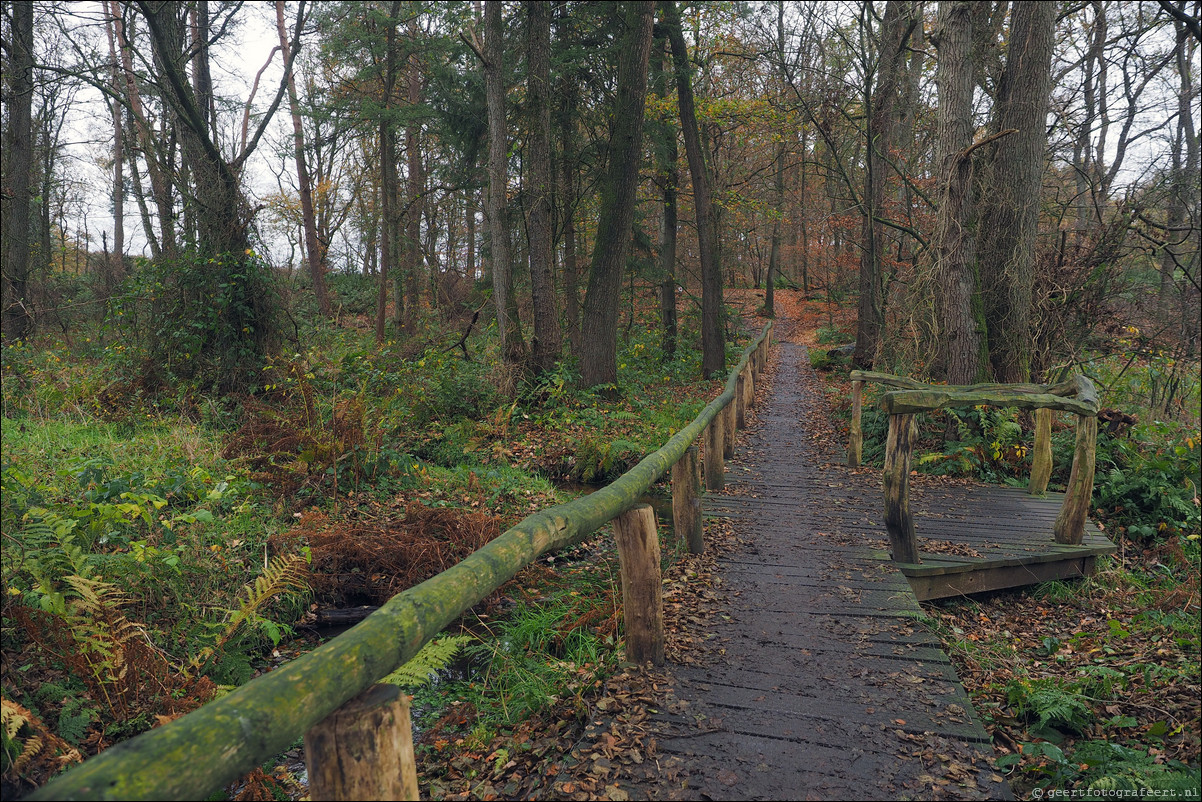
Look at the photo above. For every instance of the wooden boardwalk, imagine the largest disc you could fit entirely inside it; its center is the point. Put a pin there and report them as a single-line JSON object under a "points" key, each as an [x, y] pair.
{"points": [[821, 683]]}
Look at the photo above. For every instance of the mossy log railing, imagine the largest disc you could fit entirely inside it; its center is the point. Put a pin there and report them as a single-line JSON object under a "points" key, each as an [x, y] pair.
{"points": [[198, 754], [1077, 395]]}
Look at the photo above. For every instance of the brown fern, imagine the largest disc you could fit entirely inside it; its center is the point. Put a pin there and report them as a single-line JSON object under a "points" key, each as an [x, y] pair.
{"points": [[42, 752]]}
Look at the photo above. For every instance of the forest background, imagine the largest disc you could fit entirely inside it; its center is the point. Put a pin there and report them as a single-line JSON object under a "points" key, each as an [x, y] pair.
{"points": [[503, 251]]}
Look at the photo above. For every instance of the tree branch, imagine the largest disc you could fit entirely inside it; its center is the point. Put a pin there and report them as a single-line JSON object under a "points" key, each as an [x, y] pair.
{"points": [[991, 138]]}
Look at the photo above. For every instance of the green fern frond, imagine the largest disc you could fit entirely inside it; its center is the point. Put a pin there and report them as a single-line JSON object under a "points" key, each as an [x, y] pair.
{"points": [[281, 575], [433, 657]]}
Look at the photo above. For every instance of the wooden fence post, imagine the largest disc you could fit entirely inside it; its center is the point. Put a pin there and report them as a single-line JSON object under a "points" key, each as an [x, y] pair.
{"points": [[364, 749], [898, 520], [728, 430], [855, 443], [1070, 523], [715, 470], [749, 387], [1041, 454], [686, 501], [642, 588], [740, 401]]}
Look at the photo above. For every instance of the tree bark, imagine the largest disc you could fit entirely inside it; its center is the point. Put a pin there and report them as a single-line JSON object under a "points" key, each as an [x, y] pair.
{"points": [[415, 190], [778, 184], [642, 587], [686, 501], [713, 335], [18, 155], [899, 521], [548, 339], [669, 179], [364, 749], [513, 347], [899, 21], [389, 233], [567, 206], [1011, 190], [117, 268], [160, 188], [598, 362], [954, 241]]}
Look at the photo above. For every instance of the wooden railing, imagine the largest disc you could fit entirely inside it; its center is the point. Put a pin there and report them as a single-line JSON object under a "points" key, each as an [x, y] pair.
{"points": [[329, 693], [1076, 395]]}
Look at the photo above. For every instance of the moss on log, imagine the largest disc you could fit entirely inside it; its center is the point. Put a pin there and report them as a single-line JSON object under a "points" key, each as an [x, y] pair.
{"points": [[197, 754], [904, 402], [1078, 386]]}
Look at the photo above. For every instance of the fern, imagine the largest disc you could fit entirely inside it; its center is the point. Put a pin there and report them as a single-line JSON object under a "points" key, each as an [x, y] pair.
{"points": [[102, 635], [1111, 767], [432, 658], [19, 752], [74, 719], [281, 575], [1050, 704]]}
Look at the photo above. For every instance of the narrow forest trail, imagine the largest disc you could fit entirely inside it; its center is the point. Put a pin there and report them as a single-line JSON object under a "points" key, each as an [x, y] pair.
{"points": [[815, 681]]}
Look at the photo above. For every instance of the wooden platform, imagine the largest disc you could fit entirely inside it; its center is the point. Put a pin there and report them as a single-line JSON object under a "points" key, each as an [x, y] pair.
{"points": [[817, 680], [975, 539]]}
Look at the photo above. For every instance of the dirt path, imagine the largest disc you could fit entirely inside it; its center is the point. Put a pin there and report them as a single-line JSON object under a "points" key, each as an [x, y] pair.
{"points": [[814, 680]]}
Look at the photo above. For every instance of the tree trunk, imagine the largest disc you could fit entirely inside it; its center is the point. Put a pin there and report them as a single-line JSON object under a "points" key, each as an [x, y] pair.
{"points": [[1179, 295], [1011, 190], [508, 327], [899, 21], [954, 242], [388, 179], [669, 179], [598, 359], [571, 291], [547, 337], [778, 184], [314, 250], [160, 188], [713, 334], [116, 269], [18, 155], [415, 189]]}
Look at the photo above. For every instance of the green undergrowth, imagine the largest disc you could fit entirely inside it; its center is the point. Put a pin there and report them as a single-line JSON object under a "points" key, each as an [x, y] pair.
{"points": [[152, 531]]}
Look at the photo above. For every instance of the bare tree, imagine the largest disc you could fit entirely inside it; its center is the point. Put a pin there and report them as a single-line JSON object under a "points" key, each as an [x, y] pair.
{"points": [[314, 248]]}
